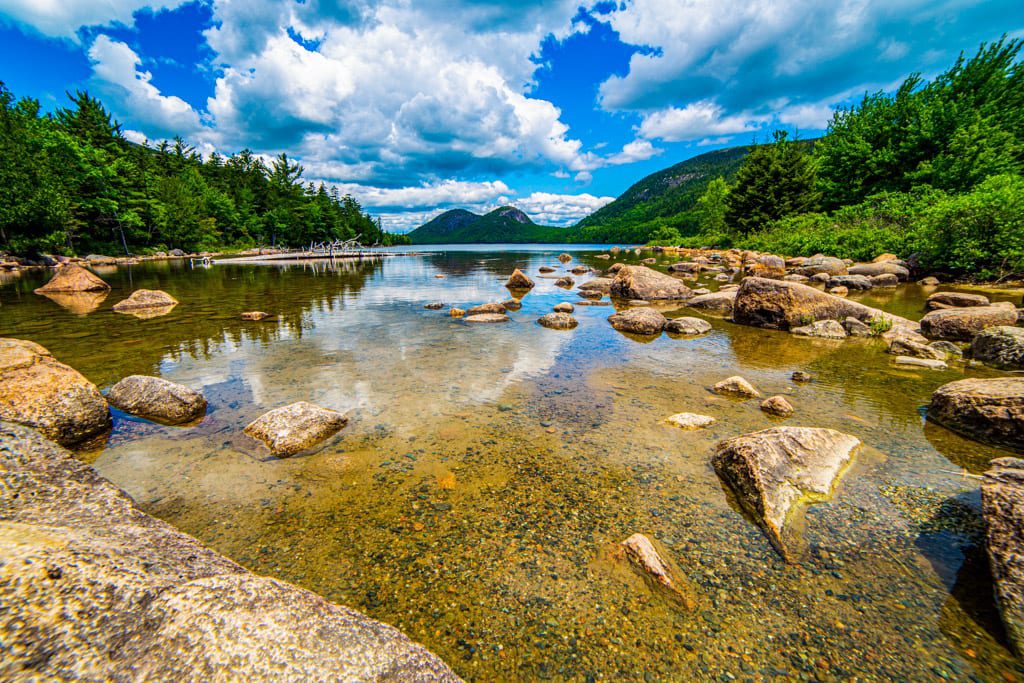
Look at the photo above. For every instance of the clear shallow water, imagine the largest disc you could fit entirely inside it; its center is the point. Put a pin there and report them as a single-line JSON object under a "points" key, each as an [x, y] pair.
{"points": [[487, 472]]}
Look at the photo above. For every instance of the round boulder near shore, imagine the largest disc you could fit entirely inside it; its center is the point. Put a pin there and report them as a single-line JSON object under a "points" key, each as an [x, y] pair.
{"points": [[987, 410], [39, 391], [157, 399], [294, 428]]}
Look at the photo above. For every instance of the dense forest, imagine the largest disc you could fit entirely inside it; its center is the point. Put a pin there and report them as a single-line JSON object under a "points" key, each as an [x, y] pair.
{"points": [[70, 183], [932, 171]]}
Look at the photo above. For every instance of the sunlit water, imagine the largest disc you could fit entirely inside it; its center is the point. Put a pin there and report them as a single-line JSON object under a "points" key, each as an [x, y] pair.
{"points": [[488, 471]]}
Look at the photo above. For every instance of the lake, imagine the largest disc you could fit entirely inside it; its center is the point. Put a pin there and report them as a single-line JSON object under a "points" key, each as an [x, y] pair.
{"points": [[488, 472]]}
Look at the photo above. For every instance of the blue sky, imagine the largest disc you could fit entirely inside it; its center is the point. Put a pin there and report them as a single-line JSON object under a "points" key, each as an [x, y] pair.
{"points": [[418, 106]]}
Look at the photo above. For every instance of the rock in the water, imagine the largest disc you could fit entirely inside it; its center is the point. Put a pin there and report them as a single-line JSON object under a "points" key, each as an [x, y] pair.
{"points": [[599, 285], [519, 280], [255, 315], [907, 346], [720, 302], [778, 406], [688, 326], [838, 291], [456, 312], [73, 278], [157, 399], [1002, 507], [929, 281], [547, 269], [497, 308], [152, 300], [565, 281], [486, 318], [638, 321], [782, 305], [851, 282], [641, 282], [564, 258], [294, 428], [950, 349], [580, 270], [434, 306], [885, 280], [94, 589], [642, 554], [884, 268], [736, 386], [801, 376], [827, 265], [512, 304], [775, 471], [856, 328], [690, 420], [928, 363], [961, 324], [988, 410], [564, 307], [1000, 347], [823, 329], [942, 300], [38, 391], [558, 321]]}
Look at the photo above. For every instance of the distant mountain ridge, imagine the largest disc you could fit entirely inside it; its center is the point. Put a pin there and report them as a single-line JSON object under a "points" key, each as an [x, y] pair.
{"points": [[504, 224], [665, 198]]}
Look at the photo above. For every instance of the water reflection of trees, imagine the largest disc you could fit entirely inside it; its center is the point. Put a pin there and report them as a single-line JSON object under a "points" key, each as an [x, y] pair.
{"points": [[207, 321]]}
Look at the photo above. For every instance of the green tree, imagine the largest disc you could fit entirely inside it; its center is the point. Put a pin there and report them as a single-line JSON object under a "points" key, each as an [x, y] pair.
{"points": [[775, 180], [712, 206]]}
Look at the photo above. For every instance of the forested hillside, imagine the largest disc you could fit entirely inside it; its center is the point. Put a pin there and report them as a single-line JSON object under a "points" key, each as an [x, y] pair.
{"points": [[71, 183], [506, 224]]}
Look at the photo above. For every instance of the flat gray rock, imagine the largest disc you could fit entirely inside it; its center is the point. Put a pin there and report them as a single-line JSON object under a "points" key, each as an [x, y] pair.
{"points": [[157, 399], [294, 428]]}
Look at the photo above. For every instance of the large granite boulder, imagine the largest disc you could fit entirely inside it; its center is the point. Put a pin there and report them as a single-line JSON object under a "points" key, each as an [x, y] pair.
{"points": [[961, 324], [1000, 347], [294, 428], [73, 278], [519, 280], [39, 391], [988, 410], [719, 303], [822, 264], [782, 305], [157, 399], [942, 300], [641, 282], [774, 472], [94, 589], [1002, 506], [882, 268], [644, 321]]}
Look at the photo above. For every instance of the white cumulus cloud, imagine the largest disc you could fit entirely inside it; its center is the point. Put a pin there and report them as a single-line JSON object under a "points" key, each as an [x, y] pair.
{"points": [[63, 18]]}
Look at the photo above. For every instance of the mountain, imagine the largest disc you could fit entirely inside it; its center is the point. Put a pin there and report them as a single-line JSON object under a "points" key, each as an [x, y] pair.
{"points": [[504, 224], [667, 197]]}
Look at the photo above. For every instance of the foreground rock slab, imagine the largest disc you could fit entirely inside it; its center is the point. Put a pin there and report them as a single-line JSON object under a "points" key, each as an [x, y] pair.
{"points": [[988, 410], [641, 282], [39, 391], [295, 428], [158, 399], [1002, 505], [775, 472], [73, 278], [94, 589]]}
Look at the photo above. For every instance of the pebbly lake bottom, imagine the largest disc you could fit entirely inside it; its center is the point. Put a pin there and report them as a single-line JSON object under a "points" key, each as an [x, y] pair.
{"points": [[487, 473]]}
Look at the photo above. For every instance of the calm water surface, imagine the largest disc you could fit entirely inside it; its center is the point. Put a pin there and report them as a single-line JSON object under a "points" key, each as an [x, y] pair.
{"points": [[487, 473]]}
